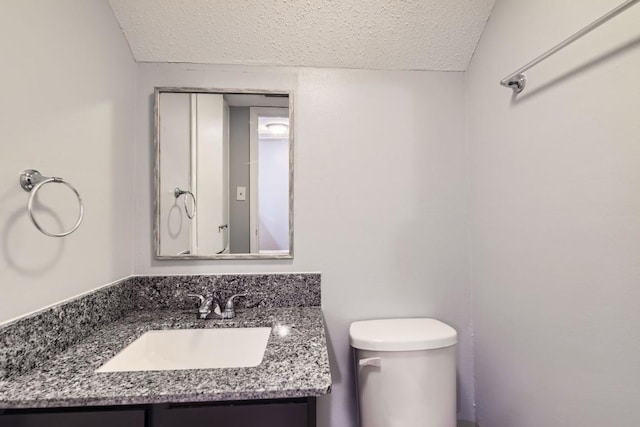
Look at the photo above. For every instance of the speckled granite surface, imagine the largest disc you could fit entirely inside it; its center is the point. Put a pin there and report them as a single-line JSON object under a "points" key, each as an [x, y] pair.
{"points": [[265, 290], [32, 340], [48, 359], [294, 365]]}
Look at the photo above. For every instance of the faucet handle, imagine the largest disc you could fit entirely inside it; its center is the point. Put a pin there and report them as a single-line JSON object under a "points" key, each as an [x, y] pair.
{"points": [[198, 296], [230, 305]]}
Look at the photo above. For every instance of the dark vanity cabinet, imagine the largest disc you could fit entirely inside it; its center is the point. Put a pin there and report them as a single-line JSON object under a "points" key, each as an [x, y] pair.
{"points": [[286, 413], [299, 412], [73, 418]]}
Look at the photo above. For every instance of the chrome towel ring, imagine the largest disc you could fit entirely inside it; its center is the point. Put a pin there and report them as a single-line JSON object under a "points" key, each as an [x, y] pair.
{"points": [[31, 181], [178, 192]]}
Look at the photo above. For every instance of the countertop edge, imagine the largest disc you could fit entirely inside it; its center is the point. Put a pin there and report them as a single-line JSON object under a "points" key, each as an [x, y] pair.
{"points": [[69, 404]]}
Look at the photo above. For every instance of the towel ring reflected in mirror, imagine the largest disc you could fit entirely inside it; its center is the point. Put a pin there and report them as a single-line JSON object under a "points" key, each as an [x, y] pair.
{"points": [[187, 194]]}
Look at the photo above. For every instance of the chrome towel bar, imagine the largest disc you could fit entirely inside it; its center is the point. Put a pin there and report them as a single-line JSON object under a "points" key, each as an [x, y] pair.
{"points": [[517, 80], [32, 181]]}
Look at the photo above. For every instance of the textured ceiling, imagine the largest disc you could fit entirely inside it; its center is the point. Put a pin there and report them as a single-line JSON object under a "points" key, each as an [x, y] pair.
{"points": [[378, 34]]}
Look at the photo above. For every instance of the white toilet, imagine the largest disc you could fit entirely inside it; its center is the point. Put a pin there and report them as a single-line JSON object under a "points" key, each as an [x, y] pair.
{"points": [[406, 372]]}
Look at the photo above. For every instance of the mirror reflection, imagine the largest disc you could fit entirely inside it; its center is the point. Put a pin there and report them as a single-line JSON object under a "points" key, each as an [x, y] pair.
{"points": [[223, 174]]}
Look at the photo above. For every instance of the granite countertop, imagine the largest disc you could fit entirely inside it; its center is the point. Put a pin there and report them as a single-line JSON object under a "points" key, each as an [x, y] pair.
{"points": [[294, 365]]}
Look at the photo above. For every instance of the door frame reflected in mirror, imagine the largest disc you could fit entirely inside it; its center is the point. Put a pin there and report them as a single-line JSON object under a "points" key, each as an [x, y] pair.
{"points": [[157, 149]]}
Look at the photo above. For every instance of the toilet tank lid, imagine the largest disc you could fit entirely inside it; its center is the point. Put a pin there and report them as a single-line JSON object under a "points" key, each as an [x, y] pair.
{"points": [[401, 334]]}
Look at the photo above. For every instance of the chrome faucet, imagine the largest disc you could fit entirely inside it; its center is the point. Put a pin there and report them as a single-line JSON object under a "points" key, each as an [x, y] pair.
{"points": [[210, 308]]}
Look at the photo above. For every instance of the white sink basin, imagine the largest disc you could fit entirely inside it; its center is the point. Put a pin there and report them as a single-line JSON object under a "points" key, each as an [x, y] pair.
{"points": [[192, 349]]}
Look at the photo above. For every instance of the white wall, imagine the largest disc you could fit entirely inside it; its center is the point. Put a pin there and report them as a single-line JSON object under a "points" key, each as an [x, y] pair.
{"points": [[211, 182], [273, 197], [556, 218], [380, 200], [175, 172], [67, 107]]}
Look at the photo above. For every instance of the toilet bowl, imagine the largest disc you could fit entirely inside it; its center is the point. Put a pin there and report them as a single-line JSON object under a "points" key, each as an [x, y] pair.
{"points": [[406, 372]]}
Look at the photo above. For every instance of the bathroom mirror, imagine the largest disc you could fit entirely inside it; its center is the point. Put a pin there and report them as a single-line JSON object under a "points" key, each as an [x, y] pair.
{"points": [[223, 173]]}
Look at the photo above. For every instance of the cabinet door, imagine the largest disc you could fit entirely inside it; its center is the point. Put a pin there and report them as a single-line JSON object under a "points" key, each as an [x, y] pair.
{"points": [[250, 415], [133, 418]]}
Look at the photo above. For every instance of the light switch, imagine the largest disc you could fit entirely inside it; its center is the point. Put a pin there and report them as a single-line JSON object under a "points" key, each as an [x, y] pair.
{"points": [[241, 193]]}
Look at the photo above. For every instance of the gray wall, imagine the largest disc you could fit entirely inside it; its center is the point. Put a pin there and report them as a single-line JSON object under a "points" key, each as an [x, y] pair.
{"points": [[555, 199], [240, 238], [380, 200], [67, 109]]}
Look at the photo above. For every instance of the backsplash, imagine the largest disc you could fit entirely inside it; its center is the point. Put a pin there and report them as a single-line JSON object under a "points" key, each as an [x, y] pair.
{"points": [[35, 338], [31, 340], [264, 290]]}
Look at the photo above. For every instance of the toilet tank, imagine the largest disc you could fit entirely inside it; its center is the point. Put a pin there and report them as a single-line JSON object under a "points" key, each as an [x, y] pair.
{"points": [[405, 372]]}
